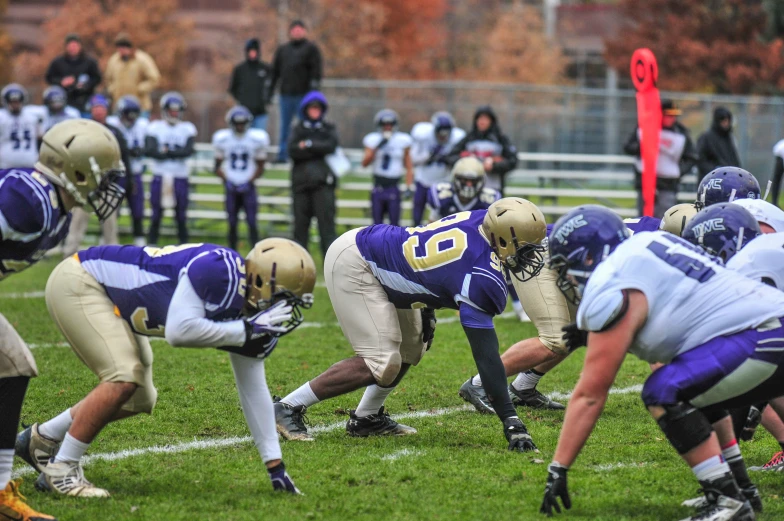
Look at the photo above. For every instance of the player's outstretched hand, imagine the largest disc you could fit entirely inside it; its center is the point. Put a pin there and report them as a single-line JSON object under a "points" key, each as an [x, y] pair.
{"points": [[281, 480], [517, 436], [574, 337], [268, 321], [555, 488]]}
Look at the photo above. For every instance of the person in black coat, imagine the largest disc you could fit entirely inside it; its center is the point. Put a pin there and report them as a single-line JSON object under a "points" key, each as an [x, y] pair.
{"points": [[487, 143], [716, 147], [76, 72], [312, 180], [251, 83]]}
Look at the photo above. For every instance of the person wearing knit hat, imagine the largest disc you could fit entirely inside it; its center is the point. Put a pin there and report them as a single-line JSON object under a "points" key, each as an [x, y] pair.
{"points": [[75, 72], [250, 83], [131, 72]]}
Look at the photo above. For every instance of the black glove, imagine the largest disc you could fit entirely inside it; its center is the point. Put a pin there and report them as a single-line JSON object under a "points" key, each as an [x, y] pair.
{"points": [[555, 488], [281, 480], [574, 337], [381, 143], [517, 436], [428, 326]]}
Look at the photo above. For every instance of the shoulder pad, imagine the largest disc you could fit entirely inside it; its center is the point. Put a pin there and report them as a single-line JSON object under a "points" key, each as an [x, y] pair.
{"points": [[602, 311], [778, 149], [422, 130]]}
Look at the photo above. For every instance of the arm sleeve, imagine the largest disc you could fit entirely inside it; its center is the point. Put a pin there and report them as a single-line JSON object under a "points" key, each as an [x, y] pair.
{"points": [[187, 323], [275, 72], [151, 148], [53, 76], [484, 348], [689, 157], [186, 151], [233, 86], [257, 405], [325, 144]]}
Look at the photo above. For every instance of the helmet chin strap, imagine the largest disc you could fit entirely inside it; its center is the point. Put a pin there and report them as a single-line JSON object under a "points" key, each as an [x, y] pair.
{"points": [[732, 195], [740, 239], [767, 190]]}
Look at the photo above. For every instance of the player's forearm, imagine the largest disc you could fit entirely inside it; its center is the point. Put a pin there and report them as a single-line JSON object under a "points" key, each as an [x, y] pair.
{"points": [[582, 413], [484, 347], [203, 332]]}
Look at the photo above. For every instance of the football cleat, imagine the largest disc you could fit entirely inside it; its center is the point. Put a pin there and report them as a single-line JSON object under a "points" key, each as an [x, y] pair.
{"points": [[13, 506], [291, 421], [533, 398], [522, 316], [35, 448], [67, 478], [776, 463], [380, 424], [476, 396], [751, 494], [723, 508]]}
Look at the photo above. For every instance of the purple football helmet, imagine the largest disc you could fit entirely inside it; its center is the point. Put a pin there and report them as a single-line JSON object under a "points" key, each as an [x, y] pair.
{"points": [[579, 241], [722, 229], [443, 123], [239, 119], [726, 184]]}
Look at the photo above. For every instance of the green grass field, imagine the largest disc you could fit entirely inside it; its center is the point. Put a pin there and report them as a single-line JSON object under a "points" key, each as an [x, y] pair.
{"points": [[192, 458]]}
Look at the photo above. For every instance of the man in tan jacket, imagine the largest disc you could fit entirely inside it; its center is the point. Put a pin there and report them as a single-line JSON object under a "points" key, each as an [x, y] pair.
{"points": [[131, 71]]}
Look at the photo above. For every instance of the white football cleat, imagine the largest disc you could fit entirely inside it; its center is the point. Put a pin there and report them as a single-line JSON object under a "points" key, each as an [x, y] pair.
{"points": [[724, 509], [67, 478]]}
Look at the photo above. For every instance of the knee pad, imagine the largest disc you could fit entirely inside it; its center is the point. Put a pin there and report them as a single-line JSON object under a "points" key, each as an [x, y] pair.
{"points": [[385, 371], [554, 343], [714, 414], [143, 401], [684, 426]]}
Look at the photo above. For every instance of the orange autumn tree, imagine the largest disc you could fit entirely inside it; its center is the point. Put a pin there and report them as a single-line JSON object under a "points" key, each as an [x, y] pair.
{"points": [[5, 48]]}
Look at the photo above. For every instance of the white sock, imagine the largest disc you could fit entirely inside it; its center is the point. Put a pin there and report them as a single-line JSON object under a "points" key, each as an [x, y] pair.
{"points": [[6, 463], [56, 428], [710, 469], [527, 380], [372, 400], [517, 306], [731, 453], [71, 450], [302, 396], [477, 381]]}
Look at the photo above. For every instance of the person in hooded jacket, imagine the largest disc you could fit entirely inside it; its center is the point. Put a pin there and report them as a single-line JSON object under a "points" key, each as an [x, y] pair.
{"points": [[716, 147], [76, 72], [251, 83], [312, 180], [487, 143]]}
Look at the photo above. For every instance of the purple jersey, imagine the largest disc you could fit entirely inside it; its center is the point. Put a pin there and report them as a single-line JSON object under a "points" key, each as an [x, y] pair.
{"points": [[32, 219], [141, 281], [442, 265], [442, 199], [640, 224]]}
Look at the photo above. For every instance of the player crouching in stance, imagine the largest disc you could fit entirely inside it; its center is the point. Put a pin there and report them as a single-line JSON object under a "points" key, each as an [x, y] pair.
{"points": [[385, 281], [705, 323], [108, 300]]}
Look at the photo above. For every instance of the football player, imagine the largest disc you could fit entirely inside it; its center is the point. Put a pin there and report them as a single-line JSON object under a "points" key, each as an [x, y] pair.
{"points": [[170, 141], [726, 184], [56, 107], [432, 142], [78, 164], [466, 192], [108, 301], [385, 281], [20, 129], [664, 300], [134, 128], [389, 151], [240, 152]]}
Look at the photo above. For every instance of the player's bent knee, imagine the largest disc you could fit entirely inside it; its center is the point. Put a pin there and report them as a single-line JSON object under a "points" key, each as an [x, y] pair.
{"points": [[555, 344], [685, 426], [142, 401], [385, 369]]}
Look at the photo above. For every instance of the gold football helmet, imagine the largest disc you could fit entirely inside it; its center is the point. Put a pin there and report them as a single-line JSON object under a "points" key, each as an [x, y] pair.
{"points": [[468, 178], [675, 219], [516, 228], [83, 157], [280, 269]]}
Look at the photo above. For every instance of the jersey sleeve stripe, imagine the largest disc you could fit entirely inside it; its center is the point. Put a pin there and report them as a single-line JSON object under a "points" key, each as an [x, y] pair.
{"points": [[500, 285], [491, 274], [233, 285], [43, 196]]}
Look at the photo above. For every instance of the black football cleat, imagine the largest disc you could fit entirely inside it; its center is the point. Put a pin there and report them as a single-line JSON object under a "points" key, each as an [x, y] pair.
{"points": [[291, 421], [533, 398], [380, 424], [476, 396]]}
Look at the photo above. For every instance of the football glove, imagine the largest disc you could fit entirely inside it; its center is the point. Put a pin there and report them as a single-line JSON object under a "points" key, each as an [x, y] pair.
{"points": [[281, 480], [428, 326], [555, 488], [573, 337], [268, 321], [517, 435]]}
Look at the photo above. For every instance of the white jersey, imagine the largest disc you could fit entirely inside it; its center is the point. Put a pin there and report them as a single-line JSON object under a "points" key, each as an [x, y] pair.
{"points": [[778, 149], [134, 138], [762, 259], [50, 119], [172, 137], [389, 160], [240, 153], [19, 138], [691, 298], [424, 146]]}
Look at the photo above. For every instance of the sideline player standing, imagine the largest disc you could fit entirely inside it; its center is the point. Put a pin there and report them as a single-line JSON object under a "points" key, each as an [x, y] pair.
{"points": [[240, 152], [389, 151], [20, 129], [55, 107], [35, 206]]}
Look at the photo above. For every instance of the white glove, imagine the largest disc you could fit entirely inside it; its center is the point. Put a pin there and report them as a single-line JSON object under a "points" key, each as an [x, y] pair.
{"points": [[268, 321]]}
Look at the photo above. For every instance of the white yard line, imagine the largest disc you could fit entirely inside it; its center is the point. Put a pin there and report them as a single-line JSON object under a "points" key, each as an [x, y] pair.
{"points": [[215, 443], [27, 294], [404, 453]]}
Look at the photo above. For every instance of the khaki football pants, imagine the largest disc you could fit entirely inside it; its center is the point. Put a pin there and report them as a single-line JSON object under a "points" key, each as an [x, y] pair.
{"points": [[101, 339], [78, 229], [547, 308], [383, 336], [15, 357]]}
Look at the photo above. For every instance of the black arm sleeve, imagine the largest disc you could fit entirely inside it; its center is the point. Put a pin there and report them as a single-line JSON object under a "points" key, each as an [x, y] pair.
{"points": [[126, 159], [689, 157], [234, 84], [454, 154], [151, 149], [186, 151], [53, 76], [315, 68], [484, 347]]}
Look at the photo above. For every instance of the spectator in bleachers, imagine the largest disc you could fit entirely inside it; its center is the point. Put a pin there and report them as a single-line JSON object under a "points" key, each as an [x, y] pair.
{"points": [[297, 69], [312, 180], [487, 143], [677, 156], [250, 84], [131, 72], [716, 147], [76, 72], [99, 109], [56, 108]]}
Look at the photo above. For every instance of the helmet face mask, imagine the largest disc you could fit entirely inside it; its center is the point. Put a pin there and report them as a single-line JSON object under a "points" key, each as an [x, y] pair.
{"points": [[386, 121], [468, 179], [55, 99], [515, 229]]}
